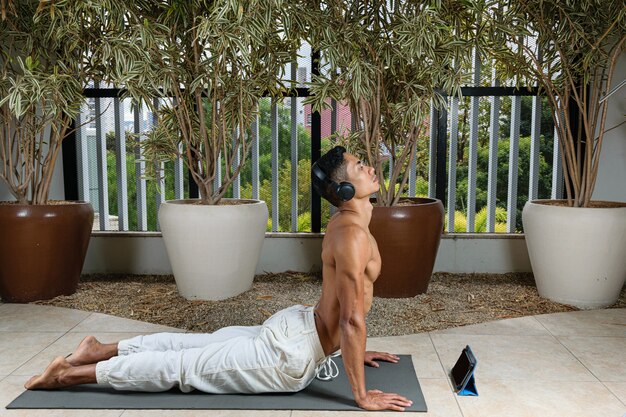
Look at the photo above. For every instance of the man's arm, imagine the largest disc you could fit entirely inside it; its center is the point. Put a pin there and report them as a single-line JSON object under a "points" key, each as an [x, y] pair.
{"points": [[352, 252]]}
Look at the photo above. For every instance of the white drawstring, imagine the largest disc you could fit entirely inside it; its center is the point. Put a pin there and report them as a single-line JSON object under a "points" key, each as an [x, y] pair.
{"points": [[328, 369]]}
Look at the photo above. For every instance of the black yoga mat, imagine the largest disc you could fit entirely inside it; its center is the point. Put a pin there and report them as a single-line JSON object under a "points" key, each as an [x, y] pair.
{"points": [[320, 395]]}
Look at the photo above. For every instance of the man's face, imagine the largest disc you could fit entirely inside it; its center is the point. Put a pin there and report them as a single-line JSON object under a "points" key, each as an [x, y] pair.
{"points": [[360, 175]]}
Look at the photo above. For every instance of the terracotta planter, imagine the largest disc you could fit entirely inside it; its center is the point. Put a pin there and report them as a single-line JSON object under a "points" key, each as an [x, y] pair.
{"points": [[577, 254], [408, 240], [42, 249]]}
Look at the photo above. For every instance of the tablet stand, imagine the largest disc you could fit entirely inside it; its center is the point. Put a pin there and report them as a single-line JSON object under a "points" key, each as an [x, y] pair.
{"points": [[469, 389]]}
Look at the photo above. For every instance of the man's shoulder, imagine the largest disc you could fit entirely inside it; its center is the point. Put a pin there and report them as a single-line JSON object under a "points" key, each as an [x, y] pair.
{"points": [[347, 232], [346, 226]]}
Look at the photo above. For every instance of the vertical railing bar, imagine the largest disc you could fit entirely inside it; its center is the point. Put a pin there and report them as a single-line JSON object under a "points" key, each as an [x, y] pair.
{"points": [[255, 157], [472, 164], [274, 138], [82, 155], [535, 145], [179, 179], [557, 169], [494, 134], [333, 130], [452, 160], [217, 181], [390, 167], [294, 153], [179, 176], [511, 214], [441, 151], [316, 136], [432, 153], [413, 172], [333, 116], [160, 195], [140, 167], [120, 168], [236, 162], [103, 186]]}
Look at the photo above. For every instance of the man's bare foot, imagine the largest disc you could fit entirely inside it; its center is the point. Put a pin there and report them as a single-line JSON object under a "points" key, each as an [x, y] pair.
{"points": [[52, 377], [87, 352]]}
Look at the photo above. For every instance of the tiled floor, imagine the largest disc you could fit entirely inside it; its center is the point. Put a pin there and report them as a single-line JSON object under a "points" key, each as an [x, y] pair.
{"points": [[565, 364]]}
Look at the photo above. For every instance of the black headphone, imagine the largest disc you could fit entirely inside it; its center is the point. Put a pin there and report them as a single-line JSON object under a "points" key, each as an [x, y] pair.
{"points": [[344, 190]]}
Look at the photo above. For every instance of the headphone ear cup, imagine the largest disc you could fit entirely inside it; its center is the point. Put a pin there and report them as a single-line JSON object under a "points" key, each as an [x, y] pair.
{"points": [[345, 191]]}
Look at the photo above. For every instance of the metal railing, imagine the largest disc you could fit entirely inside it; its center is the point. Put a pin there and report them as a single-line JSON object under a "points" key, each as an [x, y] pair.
{"points": [[87, 179], [495, 92]]}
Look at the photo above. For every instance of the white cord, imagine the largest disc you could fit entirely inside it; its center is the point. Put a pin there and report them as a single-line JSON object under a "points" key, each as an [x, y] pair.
{"points": [[328, 369]]}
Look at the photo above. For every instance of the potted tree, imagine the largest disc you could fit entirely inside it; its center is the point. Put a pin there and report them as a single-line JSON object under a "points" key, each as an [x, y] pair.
{"points": [[209, 63], [388, 63], [576, 245], [46, 55]]}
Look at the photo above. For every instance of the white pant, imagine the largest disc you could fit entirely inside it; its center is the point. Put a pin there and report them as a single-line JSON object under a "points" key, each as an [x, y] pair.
{"points": [[281, 355]]}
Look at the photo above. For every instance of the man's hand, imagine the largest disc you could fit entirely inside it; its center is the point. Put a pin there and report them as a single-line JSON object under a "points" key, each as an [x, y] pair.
{"points": [[370, 357], [378, 400]]}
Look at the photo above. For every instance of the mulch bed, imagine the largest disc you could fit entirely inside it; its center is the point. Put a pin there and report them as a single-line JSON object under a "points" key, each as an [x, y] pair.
{"points": [[452, 300]]}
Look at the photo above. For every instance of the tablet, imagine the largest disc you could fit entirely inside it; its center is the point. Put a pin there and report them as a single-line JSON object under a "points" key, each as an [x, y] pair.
{"points": [[463, 368]]}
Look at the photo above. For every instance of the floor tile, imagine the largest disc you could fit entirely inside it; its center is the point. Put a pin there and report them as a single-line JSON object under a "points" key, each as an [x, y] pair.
{"points": [[439, 398], [605, 357], [103, 323], [207, 413], [513, 357], [541, 398], [12, 386], [608, 322], [425, 359], [16, 348], [35, 318], [62, 347], [519, 326], [618, 389]]}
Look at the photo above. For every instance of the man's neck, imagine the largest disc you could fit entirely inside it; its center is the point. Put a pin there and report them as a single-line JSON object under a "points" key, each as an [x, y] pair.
{"points": [[362, 208]]}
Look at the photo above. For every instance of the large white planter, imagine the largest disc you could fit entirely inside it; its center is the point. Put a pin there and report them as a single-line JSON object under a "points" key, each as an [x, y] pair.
{"points": [[213, 249], [578, 255]]}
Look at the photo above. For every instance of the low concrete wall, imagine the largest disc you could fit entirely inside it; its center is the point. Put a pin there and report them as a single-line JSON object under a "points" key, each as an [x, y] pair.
{"points": [[484, 253], [144, 253]]}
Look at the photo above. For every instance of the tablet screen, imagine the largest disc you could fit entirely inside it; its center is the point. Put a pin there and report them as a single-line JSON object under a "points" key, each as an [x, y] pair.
{"points": [[461, 369]]}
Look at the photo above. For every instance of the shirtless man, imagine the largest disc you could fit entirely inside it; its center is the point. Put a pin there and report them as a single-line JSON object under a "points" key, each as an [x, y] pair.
{"points": [[286, 352]]}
